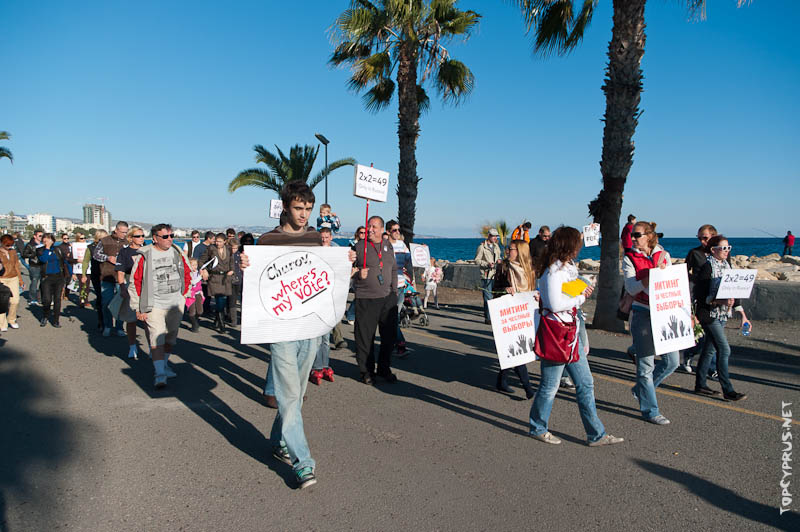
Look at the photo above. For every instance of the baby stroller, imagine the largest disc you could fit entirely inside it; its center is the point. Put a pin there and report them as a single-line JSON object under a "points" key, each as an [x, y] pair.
{"points": [[412, 309]]}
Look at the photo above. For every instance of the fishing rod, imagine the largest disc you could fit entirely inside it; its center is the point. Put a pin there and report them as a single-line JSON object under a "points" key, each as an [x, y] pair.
{"points": [[765, 232]]}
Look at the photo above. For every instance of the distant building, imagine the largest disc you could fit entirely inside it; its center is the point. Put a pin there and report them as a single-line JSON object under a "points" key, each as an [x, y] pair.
{"points": [[63, 225], [11, 225], [47, 221], [96, 214]]}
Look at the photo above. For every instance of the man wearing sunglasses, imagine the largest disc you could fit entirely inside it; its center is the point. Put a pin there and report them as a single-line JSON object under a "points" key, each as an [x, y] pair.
{"points": [[160, 282], [106, 254]]}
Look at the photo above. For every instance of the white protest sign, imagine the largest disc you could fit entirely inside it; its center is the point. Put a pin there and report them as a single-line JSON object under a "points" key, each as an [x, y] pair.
{"points": [[591, 235], [275, 208], [293, 293], [370, 183], [514, 322], [420, 255], [670, 309], [78, 252], [736, 284]]}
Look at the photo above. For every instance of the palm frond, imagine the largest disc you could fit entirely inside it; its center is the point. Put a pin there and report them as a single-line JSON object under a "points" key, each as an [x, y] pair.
{"points": [[422, 100], [5, 152], [255, 177], [379, 96], [553, 28], [580, 24], [349, 52], [317, 179], [369, 70], [5, 135], [454, 80]]}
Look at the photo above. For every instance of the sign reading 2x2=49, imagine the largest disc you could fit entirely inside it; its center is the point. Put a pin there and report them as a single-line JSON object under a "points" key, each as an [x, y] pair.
{"points": [[370, 183]]}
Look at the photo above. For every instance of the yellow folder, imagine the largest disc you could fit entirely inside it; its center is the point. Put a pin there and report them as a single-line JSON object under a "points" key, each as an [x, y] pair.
{"points": [[574, 288]]}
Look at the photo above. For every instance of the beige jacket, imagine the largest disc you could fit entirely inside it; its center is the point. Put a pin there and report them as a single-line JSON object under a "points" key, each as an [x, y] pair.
{"points": [[486, 258]]}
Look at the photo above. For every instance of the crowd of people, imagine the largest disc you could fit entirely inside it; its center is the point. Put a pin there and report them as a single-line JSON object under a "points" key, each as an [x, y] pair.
{"points": [[157, 286]]}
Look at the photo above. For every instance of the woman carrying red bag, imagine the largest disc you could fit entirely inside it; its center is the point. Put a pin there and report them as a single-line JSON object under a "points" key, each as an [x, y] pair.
{"points": [[557, 341]]}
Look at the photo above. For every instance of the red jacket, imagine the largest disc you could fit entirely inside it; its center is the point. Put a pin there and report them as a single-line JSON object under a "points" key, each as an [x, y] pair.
{"points": [[642, 262], [627, 241]]}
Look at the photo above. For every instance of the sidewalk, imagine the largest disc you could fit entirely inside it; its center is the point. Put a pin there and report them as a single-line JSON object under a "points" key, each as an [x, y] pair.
{"points": [[89, 445]]}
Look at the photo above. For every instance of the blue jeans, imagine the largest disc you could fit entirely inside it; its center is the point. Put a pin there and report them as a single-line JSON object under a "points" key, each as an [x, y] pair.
{"points": [[716, 342], [323, 358], [487, 285], [400, 298], [649, 373], [350, 314], [291, 364], [36, 280], [108, 290], [584, 391], [269, 386]]}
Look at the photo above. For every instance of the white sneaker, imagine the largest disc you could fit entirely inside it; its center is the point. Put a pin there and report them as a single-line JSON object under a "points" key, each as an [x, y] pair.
{"points": [[107, 332], [160, 381], [607, 439], [3, 329], [14, 325], [168, 371], [547, 438]]}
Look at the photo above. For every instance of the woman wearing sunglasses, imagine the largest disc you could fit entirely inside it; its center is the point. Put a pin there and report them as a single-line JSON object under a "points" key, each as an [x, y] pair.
{"points": [[123, 268], [713, 314], [645, 255], [695, 260]]}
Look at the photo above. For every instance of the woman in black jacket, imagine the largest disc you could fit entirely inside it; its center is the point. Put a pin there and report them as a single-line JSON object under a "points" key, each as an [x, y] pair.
{"points": [[55, 270], [713, 314]]}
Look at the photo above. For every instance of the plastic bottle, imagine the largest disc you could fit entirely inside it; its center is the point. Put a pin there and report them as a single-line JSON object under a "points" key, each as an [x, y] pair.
{"points": [[746, 329]]}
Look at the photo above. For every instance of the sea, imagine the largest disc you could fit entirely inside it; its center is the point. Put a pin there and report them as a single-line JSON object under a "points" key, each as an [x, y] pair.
{"points": [[453, 249]]}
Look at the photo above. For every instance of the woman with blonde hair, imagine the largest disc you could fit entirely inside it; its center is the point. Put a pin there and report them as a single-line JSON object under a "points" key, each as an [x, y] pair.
{"points": [[123, 268], [94, 275], [515, 275], [645, 255]]}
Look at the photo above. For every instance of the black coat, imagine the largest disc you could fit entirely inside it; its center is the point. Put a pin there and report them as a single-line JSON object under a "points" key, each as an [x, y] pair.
{"points": [[702, 289]]}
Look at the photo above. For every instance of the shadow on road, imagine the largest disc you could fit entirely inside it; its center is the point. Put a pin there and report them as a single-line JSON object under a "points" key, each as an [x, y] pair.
{"points": [[32, 439], [726, 499]]}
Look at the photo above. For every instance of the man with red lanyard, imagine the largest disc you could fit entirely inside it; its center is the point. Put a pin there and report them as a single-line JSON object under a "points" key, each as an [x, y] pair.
{"points": [[375, 285]]}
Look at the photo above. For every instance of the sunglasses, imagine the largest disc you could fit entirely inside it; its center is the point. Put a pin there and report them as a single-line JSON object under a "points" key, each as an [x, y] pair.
{"points": [[723, 248], [637, 234], [512, 249], [138, 236], [395, 231], [171, 235]]}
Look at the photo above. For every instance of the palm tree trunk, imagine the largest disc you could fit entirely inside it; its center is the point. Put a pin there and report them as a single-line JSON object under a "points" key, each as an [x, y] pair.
{"points": [[623, 88], [407, 133]]}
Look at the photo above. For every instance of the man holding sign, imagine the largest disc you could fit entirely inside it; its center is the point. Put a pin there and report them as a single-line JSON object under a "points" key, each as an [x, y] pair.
{"points": [[292, 360]]}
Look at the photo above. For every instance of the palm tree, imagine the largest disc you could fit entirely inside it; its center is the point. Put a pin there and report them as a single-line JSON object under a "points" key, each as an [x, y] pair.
{"points": [[281, 169], [404, 38], [558, 27], [5, 152]]}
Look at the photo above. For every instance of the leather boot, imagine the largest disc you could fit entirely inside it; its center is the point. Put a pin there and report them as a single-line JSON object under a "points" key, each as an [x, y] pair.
{"points": [[220, 324], [502, 384], [195, 323]]}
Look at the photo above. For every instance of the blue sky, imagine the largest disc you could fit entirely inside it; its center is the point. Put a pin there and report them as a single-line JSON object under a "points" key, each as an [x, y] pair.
{"points": [[156, 106]]}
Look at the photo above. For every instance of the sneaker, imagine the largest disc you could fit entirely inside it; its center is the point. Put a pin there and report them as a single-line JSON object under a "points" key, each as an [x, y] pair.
{"points": [[658, 420], [33, 303], [566, 382], [713, 375], [120, 332], [160, 381], [56, 324], [608, 439], [14, 325], [633, 393], [3, 329], [547, 438], [107, 332], [327, 374], [43, 322], [350, 322], [282, 454], [133, 353], [705, 390], [684, 368], [734, 396], [168, 371], [315, 377], [306, 478]]}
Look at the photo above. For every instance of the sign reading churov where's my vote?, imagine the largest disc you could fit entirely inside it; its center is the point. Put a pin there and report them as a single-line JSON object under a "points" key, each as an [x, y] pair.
{"points": [[514, 322], [670, 309], [293, 293]]}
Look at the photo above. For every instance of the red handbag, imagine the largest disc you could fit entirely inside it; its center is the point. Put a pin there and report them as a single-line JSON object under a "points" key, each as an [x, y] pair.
{"points": [[557, 340]]}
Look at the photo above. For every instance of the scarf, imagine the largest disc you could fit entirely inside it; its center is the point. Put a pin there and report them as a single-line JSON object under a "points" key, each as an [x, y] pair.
{"points": [[718, 267], [517, 277]]}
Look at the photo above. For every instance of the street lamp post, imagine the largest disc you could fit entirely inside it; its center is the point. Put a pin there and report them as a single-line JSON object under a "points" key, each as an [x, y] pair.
{"points": [[322, 139]]}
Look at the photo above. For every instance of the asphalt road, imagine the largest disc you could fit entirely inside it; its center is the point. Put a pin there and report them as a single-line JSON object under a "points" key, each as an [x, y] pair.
{"points": [[88, 444]]}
